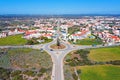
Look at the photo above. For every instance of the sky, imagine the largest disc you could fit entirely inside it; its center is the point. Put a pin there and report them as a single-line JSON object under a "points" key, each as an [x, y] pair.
{"points": [[59, 6]]}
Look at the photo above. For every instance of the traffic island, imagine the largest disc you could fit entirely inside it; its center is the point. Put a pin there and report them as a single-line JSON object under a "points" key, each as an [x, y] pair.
{"points": [[55, 46]]}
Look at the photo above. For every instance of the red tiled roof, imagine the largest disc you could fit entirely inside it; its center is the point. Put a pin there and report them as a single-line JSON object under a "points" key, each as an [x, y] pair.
{"points": [[116, 38], [80, 34], [47, 35], [30, 32], [21, 30], [49, 28]]}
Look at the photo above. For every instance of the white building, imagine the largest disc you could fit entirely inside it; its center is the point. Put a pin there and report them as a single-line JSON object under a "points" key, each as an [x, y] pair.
{"points": [[2, 35], [80, 35]]}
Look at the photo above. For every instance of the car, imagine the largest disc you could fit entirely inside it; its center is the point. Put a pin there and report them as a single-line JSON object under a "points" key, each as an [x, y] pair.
{"points": [[94, 45], [74, 46], [41, 49], [51, 49]]}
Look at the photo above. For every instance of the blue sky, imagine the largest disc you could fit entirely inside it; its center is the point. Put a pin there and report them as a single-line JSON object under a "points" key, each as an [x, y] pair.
{"points": [[59, 6]]}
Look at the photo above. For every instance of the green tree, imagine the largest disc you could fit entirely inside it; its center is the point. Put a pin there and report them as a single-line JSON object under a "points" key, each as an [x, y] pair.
{"points": [[58, 42]]}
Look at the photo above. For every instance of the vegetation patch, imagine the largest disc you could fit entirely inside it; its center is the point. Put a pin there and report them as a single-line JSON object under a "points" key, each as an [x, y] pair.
{"points": [[18, 40], [106, 66], [87, 41], [29, 58], [4, 74], [78, 58], [36, 41], [25, 62], [100, 72], [105, 54], [13, 40], [73, 29]]}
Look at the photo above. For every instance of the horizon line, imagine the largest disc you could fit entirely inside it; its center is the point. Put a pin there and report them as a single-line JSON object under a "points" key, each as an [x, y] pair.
{"points": [[67, 14]]}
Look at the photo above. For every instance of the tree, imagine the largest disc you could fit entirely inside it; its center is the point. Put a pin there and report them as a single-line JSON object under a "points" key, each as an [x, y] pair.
{"points": [[58, 42]]}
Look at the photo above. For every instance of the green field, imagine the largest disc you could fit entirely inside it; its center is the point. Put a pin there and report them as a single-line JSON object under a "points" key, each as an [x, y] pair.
{"points": [[73, 29], [47, 41], [12, 40], [105, 54], [87, 41], [100, 72]]}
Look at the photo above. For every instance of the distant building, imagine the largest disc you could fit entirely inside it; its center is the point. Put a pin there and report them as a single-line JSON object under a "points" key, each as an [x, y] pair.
{"points": [[31, 34], [2, 35], [80, 35]]}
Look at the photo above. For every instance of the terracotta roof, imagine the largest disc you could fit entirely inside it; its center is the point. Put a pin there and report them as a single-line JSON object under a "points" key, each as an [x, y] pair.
{"points": [[116, 38], [80, 34], [30, 32], [47, 35], [49, 28]]}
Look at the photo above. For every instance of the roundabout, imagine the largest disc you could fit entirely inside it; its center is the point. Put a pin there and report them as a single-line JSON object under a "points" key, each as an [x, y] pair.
{"points": [[55, 47]]}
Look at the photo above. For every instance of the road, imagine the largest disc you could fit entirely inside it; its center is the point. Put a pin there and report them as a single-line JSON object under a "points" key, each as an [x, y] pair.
{"points": [[56, 55]]}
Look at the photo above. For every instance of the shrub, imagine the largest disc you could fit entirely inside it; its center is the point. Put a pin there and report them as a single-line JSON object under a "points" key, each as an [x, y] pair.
{"points": [[29, 73], [68, 60], [18, 77], [75, 77], [35, 79], [116, 62], [83, 61], [5, 74], [79, 71], [40, 74], [17, 72], [42, 70], [32, 41]]}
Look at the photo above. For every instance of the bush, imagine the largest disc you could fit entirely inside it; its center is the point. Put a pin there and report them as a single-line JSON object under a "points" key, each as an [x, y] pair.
{"points": [[80, 62], [79, 71], [5, 74], [42, 70], [17, 72], [40, 74], [116, 62], [68, 60], [32, 41], [29, 73], [35, 79], [75, 77], [18, 77]]}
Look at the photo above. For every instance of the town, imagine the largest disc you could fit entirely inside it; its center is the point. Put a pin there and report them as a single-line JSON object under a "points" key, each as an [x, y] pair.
{"points": [[106, 28]]}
